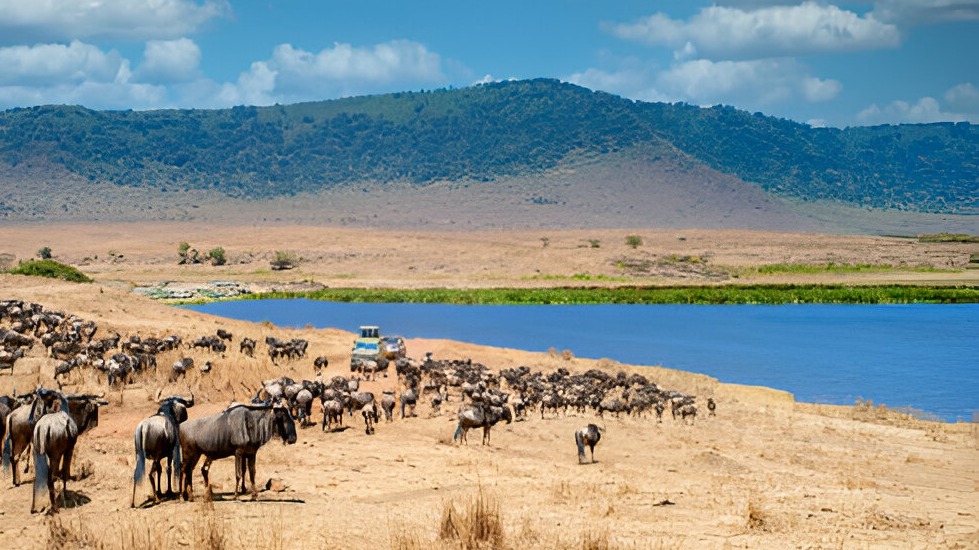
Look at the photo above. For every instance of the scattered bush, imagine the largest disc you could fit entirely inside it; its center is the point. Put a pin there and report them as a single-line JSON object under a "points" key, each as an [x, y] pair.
{"points": [[282, 259], [51, 269], [217, 257], [44, 253], [633, 241]]}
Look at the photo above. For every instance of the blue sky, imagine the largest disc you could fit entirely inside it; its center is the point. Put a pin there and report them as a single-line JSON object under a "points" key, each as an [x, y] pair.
{"points": [[825, 63]]}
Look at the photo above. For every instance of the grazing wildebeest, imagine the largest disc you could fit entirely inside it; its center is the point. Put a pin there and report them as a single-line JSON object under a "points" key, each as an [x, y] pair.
{"points": [[387, 404], [55, 435], [224, 335], [238, 431], [475, 415], [685, 410], [247, 346], [589, 435], [156, 438]]}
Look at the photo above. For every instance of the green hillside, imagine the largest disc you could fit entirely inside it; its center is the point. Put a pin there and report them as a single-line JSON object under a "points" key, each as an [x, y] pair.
{"points": [[482, 133]]}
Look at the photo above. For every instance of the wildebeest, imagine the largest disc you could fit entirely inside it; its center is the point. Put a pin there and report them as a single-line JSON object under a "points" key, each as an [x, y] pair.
{"points": [[480, 416], [369, 411], [387, 404], [224, 335], [238, 431], [711, 406], [247, 346], [7, 405], [409, 398], [589, 435], [332, 413], [55, 435], [156, 438], [320, 363], [19, 429]]}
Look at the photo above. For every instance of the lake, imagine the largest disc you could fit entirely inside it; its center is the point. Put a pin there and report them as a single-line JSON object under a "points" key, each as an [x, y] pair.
{"points": [[922, 356]]}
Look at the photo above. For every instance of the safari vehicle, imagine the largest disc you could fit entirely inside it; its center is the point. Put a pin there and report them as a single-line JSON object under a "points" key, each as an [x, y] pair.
{"points": [[374, 351]]}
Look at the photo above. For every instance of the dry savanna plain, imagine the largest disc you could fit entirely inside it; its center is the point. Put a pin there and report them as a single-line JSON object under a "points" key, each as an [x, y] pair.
{"points": [[764, 472]]}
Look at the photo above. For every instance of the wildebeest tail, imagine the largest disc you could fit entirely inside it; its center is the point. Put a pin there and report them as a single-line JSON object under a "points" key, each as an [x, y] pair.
{"points": [[175, 455], [140, 470], [580, 441], [40, 472], [458, 433], [8, 445]]}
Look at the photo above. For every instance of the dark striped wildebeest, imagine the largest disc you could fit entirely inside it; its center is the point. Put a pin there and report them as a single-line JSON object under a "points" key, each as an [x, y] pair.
{"points": [[239, 431], [476, 415], [156, 438], [55, 435], [589, 435]]}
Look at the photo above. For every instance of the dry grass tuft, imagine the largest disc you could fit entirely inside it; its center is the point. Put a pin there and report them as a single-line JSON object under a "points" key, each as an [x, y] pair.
{"points": [[71, 534], [479, 525]]}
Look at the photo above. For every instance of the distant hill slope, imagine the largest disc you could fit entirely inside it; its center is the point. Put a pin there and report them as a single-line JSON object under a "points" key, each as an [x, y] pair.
{"points": [[480, 135]]}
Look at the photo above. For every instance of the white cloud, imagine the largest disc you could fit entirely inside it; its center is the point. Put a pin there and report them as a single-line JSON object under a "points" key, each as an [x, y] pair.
{"points": [[963, 97], [816, 89], [925, 110], [918, 12], [752, 85], [31, 21], [57, 64], [719, 32], [169, 61], [293, 74]]}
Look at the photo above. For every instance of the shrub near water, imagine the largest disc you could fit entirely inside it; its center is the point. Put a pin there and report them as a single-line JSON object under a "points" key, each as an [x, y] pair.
{"points": [[51, 269]]}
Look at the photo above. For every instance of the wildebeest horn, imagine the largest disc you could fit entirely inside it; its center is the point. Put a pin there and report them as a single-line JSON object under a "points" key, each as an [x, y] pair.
{"points": [[190, 402], [159, 393]]}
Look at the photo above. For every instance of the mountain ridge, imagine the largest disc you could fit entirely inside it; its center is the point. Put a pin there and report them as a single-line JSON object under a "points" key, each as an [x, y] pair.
{"points": [[472, 138]]}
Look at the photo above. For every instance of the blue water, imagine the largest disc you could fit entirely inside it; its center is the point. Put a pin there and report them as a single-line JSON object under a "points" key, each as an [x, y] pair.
{"points": [[920, 356]]}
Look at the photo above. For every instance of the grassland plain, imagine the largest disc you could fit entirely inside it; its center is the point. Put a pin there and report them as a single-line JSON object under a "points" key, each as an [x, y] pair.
{"points": [[766, 472]]}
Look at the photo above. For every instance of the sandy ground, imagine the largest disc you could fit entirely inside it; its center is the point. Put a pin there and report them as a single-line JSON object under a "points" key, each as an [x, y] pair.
{"points": [[766, 472], [127, 255]]}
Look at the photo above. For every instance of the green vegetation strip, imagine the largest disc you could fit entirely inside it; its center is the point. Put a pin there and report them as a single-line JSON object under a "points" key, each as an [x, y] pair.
{"points": [[730, 294]]}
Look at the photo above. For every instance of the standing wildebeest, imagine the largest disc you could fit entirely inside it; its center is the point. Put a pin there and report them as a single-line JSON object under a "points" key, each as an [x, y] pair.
{"points": [[320, 363], [711, 406], [239, 431], [19, 429], [156, 437], [387, 404], [589, 435], [332, 413], [409, 398], [55, 435], [369, 411], [474, 415]]}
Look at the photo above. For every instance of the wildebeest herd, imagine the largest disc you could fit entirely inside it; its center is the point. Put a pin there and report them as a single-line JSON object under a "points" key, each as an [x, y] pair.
{"points": [[45, 424]]}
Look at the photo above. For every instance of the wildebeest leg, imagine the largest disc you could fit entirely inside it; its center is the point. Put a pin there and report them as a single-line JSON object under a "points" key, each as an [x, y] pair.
{"points": [[486, 434], [187, 474], [251, 475], [155, 482], [65, 472], [204, 471], [579, 441]]}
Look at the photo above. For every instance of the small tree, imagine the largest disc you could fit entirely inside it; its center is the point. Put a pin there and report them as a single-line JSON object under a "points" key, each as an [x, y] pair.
{"points": [[633, 241], [217, 256], [182, 249], [282, 259], [44, 253]]}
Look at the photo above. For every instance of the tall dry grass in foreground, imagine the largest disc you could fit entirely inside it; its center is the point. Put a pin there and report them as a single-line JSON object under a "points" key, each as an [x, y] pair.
{"points": [[468, 523]]}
